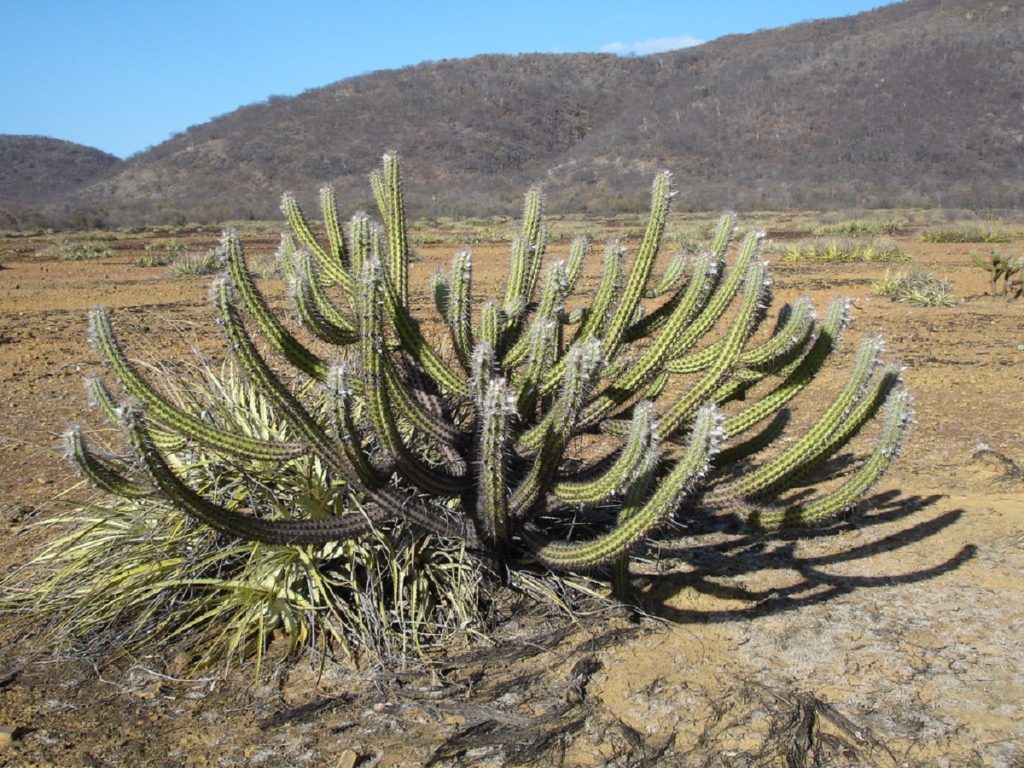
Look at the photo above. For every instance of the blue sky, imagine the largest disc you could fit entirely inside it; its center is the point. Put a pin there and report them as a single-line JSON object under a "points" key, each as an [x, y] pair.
{"points": [[122, 75]]}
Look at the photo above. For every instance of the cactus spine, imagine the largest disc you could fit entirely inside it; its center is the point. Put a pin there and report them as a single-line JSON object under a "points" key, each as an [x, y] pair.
{"points": [[539, 421]]}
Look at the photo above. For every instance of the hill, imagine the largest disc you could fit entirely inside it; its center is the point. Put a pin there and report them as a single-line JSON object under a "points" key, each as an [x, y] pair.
{"points": [[916, 103], [34, 169]]}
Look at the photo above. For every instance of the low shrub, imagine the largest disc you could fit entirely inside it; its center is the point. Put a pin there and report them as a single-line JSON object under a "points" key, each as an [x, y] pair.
{"points": [[839, 250], [918, 288]]}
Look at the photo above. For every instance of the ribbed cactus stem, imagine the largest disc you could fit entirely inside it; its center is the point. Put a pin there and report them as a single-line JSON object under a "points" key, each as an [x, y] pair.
{"points": [[638, 454], [173, 417], [669, 494], [898, 417], [300, 227], [636, 284], [332, 226], [100, 472], [763, 479], [394, 219], [496, 412], [460, 306], [230, 522], [280, 338]]}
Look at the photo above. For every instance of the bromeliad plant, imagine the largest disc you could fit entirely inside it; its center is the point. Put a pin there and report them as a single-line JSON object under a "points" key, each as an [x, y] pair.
{"points": [[550, 426]]}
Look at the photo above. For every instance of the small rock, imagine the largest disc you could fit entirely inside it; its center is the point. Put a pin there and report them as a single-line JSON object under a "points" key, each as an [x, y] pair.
{"points": [[6, 735], [348, 759]]}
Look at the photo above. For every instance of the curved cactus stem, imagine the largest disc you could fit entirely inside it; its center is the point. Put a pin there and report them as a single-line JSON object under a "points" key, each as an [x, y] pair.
{"points": [[279, 337], [362, 239], [756, 443], [315, 311], [547, 312], [527, 253], [774, 472], [636, 284], [300, 227], [898, 417], [635, 524], [578, 252], [172, 417], [284, 532], [798, 375], [287, 255], [332, 226], [817, 454], [742, 326], [496, 411], [407, 505], [100, 472], [639, 453], [392, 213], [441, 290], [581, 372], [460, 304], [338, 384], [378, 394], [673, 274], [608, 289], [491, 322]]}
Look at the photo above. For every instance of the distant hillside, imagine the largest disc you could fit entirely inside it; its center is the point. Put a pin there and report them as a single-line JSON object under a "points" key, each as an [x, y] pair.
{"points": [[916, 103], [34, 169]]}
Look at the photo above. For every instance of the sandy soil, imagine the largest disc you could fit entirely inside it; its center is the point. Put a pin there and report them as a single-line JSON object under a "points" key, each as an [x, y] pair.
{"points": [[894, 640]]}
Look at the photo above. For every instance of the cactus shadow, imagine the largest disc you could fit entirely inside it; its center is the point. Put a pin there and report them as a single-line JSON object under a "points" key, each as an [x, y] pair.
{"points": [[722, 548]]}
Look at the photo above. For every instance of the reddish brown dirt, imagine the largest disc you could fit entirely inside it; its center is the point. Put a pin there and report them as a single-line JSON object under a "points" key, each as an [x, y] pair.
{"points": [[894, 640]]}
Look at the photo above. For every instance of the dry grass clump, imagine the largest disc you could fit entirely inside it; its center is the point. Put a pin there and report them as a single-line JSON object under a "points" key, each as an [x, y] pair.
{"points": [[921, 289], [845, 250], [971, 234]]}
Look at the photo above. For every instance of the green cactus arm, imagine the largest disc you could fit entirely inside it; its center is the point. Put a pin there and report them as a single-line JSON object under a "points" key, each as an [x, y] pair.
{"points": [[300, 228], [578, 252], [540, 357], [362, 237], [608, 289], [754, 444], [279, 337], [441, 291], [581, 372], [490, 325], [633, 526], [670, 278], [792, 333], [754, 293], [547, 312], [776, 470], [636, 284], [460, 304], [101, 398], [436, 429], [283, 532], [332, 226], [287, 255], [527, 251], [172, 417], [639, 452], [98, 471], [898, 417], [708, 270], [407, 505], [339, 386], [816, 455], [377, 393], [496, 412], [316, 313], [393, 216], [799, 375]]}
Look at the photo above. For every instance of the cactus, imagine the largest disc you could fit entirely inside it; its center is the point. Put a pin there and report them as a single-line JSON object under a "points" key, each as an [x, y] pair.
{"points": [[999, 265], [537, 434]]}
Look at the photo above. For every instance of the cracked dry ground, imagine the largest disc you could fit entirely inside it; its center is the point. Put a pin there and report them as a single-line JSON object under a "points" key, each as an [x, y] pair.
{"points": [[892, 639]]}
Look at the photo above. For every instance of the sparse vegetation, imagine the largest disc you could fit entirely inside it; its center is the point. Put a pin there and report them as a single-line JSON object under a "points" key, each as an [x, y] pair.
{"points": [[921, 289], [75, 250], [1001, 266], [878, 250], [966, 235], [192, 264], [859, 228]]}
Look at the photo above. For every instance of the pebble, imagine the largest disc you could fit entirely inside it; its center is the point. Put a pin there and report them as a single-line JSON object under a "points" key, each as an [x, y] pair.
{"points": [[348, 759], [6, 735]]}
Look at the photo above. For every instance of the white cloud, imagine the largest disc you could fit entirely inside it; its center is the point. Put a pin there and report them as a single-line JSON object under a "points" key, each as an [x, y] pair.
{"points": [[654, 45]]}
